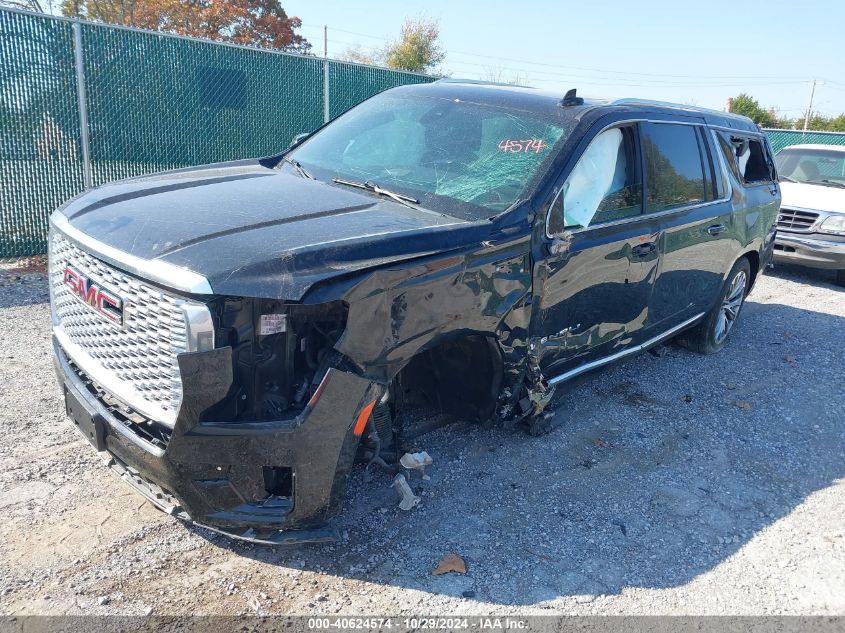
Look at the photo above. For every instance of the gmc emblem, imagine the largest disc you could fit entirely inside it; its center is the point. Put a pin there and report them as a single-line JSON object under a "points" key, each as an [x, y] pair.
{"points": [[106, 303]]}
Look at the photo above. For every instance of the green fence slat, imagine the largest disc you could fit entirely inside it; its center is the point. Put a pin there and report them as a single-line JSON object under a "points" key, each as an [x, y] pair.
{"points": [[40, 161], [350, 84], [784, 138], [157, 102], [154, 102]]}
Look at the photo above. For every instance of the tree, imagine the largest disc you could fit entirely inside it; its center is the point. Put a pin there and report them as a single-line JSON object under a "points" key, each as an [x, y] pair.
{"points": [[821, 123], [418, 49], [29, 5], [748, 106], [248, 22], [744, 104], [500, 75], [837, 124], [358, 55]]}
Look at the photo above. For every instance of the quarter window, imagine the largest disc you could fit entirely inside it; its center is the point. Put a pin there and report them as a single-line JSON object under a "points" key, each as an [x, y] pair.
{"points": [[722, 181], [606, 183], [748, 158], [757, 167], [674, 166]]}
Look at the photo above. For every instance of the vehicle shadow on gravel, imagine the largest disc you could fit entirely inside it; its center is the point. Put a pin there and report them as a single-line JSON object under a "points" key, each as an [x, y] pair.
{"points": [[662, 468], [816, 277]]}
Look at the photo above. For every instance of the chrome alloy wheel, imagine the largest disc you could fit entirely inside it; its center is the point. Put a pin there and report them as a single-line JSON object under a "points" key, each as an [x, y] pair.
{"points": [[731, 305]]}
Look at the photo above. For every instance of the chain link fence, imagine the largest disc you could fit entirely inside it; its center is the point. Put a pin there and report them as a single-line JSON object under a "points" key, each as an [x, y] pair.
{"points": [[40, 158], [82, 104], [784, 138]]}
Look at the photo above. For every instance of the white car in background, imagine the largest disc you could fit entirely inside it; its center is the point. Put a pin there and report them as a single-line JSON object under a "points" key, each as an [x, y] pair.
{"points": [[811, 224]]}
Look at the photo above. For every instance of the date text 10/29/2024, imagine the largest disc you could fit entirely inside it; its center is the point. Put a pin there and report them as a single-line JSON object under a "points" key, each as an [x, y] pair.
{"points": [[417, 623]]}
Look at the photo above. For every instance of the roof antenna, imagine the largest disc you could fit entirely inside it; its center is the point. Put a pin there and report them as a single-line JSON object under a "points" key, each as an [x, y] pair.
{"points": [[569, 99]]}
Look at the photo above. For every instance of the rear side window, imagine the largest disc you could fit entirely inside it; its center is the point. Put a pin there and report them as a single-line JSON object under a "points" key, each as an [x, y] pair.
{"points": [[748, 157], [675, 167]]}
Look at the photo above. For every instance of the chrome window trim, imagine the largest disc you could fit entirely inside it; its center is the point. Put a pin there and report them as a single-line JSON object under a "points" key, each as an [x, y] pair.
{"points": [[723, 166], [645, 214], [670, 122], [155, 270], [734, 130], [599, 362]]}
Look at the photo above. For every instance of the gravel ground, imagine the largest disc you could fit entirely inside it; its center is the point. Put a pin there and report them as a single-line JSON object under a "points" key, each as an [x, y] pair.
{"points": [[675, 484]]}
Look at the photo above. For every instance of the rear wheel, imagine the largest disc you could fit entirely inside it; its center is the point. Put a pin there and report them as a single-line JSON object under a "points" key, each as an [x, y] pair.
{"points": [[840, 277], [711, 335]]}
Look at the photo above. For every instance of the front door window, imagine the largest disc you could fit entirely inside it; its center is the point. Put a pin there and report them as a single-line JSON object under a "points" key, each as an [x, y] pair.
{"points": [[605, 184]]}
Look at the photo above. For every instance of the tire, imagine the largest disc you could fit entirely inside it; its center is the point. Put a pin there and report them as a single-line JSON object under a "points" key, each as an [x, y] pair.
{"points": [[840, 278], [711, 335]]}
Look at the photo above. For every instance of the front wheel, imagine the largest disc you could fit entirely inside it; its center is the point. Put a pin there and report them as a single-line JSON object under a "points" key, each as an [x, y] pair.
{"points": [[711, 335]]}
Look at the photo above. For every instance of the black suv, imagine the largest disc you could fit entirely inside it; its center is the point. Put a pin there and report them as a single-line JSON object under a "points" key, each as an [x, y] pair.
{"points": [[235, 335]]}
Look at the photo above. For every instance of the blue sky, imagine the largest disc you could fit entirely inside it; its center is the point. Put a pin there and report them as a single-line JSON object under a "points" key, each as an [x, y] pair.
{"points": [[699, 53]]}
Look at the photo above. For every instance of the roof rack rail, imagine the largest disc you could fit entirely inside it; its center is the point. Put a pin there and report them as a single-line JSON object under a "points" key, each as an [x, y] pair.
{"points": [[669, 104], [479, 82]]}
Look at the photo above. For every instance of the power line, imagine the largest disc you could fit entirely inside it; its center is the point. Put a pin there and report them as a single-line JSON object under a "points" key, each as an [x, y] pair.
{"points": [[586, 68], [550, 73], [590, 80]]}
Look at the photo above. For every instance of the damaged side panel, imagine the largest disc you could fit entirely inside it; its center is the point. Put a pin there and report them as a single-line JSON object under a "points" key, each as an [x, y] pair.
{"points": [[398, 312], [592, 299]]}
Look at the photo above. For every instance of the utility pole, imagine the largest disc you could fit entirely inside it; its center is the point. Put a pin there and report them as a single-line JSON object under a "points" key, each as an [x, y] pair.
{"points": [[810, 106], [327, 111]]}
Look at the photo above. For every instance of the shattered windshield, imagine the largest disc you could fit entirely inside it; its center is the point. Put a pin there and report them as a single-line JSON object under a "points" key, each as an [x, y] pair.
{"points": [[463, 159]]}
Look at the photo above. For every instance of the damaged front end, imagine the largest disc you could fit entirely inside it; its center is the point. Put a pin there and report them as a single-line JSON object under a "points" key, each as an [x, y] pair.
{"points": [[280, 353], [266, 432]]}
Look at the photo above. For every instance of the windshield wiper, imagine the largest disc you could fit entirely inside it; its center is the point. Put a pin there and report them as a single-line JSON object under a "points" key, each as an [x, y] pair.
{"points": [[408, 201], [787, 179], [832, 183], [299, 168]]}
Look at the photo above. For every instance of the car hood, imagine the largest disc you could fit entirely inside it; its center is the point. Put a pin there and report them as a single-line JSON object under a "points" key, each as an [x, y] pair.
{"points": [[253, 231], [816, 197]]}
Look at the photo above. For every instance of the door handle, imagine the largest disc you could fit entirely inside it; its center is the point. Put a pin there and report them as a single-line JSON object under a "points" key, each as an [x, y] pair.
{"points": [[716, 229], [643, 250]]}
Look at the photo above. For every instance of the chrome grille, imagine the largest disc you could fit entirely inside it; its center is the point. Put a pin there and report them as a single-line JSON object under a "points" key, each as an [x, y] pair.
{"points": [[796, 220], [136, 361]]}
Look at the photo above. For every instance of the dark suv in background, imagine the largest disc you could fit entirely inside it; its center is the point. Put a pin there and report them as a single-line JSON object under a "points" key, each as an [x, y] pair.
{"points": [[235, 335]]}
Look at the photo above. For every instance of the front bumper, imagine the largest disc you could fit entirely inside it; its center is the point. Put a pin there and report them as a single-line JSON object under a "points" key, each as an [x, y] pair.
{"points": [[809, 250], [214, 473]]}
